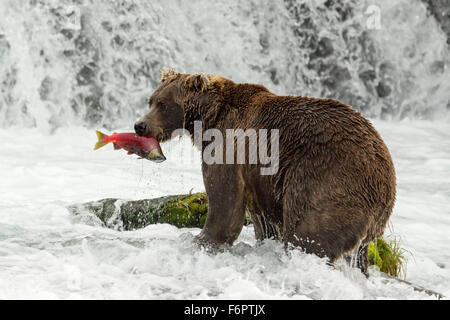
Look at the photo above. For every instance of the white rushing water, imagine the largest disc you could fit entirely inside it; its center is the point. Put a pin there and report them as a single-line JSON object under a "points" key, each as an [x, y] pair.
{"points": [[70, 65], [47, 253]]}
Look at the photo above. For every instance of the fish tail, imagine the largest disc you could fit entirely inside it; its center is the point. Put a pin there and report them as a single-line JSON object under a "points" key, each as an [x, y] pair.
{"points": [[100, 143]]}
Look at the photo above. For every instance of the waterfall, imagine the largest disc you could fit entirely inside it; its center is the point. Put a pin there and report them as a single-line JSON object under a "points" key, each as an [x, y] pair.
{"points": [[95, 62]]}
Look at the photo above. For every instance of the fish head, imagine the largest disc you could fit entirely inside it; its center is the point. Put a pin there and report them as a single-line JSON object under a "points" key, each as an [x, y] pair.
{"points": [[156, 155]]}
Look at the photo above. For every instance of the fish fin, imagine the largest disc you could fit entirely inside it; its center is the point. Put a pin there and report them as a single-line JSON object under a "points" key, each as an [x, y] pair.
{"points": [[116, 146], [100, 142]]}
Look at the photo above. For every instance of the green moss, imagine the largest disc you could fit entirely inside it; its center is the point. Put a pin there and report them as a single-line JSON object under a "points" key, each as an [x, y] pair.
{"points": [[388, 256], [187, 211], [141, 213]]}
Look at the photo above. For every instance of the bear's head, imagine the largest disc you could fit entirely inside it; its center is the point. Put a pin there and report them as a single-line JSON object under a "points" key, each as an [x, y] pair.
{"points": [[172, 105]]}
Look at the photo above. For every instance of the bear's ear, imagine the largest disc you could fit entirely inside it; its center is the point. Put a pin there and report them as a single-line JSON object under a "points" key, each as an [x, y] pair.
{"points": [[167, 73], [198, 82]]}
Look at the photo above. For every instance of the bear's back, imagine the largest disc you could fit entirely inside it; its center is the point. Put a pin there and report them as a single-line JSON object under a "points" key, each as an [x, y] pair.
{"points": [[323, 136]]}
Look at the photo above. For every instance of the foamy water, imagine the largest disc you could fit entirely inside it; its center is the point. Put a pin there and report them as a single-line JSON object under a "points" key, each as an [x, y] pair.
{"points": [[47, 253]]}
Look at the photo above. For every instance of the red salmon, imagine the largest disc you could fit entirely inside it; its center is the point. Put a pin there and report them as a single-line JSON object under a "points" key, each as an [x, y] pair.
{"points": [[146, 147]]}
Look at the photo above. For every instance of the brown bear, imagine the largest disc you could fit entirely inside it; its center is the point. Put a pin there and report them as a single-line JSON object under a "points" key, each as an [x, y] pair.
{"points": [[334, 189]]}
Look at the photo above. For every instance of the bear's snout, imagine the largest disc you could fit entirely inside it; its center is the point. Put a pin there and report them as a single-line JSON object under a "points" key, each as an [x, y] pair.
{"points": [[140, 128]]}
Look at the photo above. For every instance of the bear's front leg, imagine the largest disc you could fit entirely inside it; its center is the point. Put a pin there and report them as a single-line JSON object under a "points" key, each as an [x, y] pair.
{"points": [[226, 200]]}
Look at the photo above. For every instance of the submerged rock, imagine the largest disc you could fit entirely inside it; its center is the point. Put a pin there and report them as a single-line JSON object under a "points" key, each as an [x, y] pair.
{"points": [[182, 211]]}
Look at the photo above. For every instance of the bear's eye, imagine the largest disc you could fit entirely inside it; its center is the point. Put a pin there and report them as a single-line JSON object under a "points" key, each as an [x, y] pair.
{"points": [[161, 105], [150, 101]]}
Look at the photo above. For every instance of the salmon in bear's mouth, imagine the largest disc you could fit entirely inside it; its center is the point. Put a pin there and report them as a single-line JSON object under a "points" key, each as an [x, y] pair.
{"points": [[146, 147]]}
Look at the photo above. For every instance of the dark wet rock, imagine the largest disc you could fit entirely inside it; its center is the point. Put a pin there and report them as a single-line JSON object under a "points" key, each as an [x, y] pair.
{"points": [[68, 53], [86, 75], [4, 45], [95, 112], [67, 33], [368, 49], [182, 211], [348, 96], [440, 9], [118, 40], [343, 8], [107, 26], [383, 89], [46, 88], [273, 76], [264, 41], [385, 69], [324, 49], [368, 75], [329, 71], [336, 77], [437, 67], [328, 67], [84, 45], [125, 26]]}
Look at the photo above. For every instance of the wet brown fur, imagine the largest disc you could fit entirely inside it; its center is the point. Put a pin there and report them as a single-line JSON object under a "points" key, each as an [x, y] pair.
{"points": [[335, 189]]}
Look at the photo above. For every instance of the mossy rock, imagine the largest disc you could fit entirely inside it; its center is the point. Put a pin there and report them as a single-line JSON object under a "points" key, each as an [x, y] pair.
{"points": [[187, 211], [182, 211]]}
